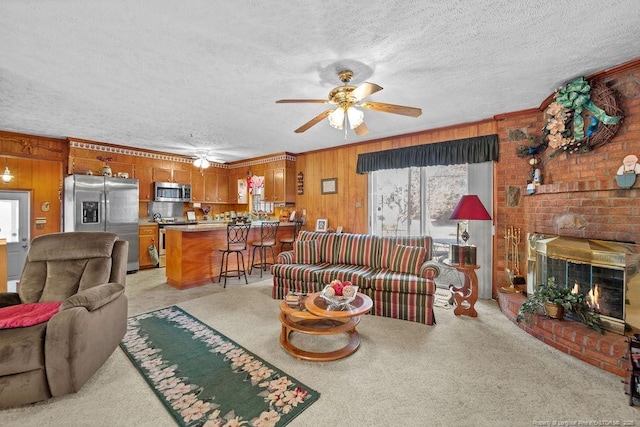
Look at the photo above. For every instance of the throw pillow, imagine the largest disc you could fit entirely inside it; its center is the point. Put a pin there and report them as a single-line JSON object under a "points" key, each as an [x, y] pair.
{"points": [[407, 259], [306, 252]]}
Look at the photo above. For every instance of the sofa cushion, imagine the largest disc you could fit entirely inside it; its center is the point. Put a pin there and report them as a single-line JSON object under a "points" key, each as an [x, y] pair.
{"points": [[301, 272], [359, 275], [22, 349], [407, 259], [355, 249], [325, 243], [391, 281], [306, 252], [386, 246]]}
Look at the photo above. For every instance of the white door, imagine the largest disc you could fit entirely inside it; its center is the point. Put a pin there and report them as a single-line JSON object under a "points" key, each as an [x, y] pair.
{"points": [[14, 226]]}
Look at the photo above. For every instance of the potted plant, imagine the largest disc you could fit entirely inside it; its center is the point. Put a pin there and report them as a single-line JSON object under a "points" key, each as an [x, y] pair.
{"points": [[555, 302]]}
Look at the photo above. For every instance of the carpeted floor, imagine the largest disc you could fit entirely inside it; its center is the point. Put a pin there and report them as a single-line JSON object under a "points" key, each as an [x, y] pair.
{"points": [[464, 371]]}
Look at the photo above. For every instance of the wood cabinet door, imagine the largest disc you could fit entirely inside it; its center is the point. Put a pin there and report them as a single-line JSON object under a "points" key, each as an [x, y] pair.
{"points": [[269, 184], [278, 185], [223, 188], [274, 185], [144, 174], [182, 177], [197, 187], [162, 175], [147, 235], [210, 187]]}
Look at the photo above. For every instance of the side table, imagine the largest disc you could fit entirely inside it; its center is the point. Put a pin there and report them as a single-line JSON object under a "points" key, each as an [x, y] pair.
{"points": [[467, 295]]}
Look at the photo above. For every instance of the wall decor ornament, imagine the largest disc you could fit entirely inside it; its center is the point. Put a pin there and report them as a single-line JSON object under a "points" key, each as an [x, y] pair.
{"points": [[626, 175], [566, 129]]}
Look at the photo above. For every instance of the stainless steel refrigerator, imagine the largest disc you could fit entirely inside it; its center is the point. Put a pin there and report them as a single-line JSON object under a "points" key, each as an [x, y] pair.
{"points": [[100, 203]]}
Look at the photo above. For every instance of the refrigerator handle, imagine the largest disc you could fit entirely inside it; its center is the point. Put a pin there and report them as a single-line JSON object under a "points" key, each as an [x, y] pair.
{"points": [[104, 214]]}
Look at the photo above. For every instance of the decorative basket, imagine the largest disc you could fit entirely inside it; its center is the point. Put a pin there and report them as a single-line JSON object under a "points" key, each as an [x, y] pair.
{"points": [[338, 302]]}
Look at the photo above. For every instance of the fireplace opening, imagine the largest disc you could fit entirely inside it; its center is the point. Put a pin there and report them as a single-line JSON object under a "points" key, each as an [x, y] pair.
{"points": [[606, 272]]}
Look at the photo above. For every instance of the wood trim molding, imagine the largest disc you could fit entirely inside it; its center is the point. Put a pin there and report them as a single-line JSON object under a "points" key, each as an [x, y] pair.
{"points": [[600, 75], [107, 148]]}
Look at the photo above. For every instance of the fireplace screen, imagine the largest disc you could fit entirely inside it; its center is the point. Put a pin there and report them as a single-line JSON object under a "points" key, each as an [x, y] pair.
{"points": [[605, 271], [604, 285]]}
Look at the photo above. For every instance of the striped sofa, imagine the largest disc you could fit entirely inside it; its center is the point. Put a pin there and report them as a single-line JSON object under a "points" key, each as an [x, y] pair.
{"points": [[394, 271]]}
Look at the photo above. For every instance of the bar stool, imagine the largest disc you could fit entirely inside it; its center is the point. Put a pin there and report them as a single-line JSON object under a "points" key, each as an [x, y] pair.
{"points": [[289, 240], [237, 235], [268, 234]]}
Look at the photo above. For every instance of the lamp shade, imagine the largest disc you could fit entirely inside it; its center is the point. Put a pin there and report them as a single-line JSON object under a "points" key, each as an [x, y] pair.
{"points": [[336, 118], [470, 207], [201, 162]]}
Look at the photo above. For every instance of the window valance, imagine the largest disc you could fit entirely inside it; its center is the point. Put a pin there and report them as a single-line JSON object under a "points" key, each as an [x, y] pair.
{"points": [[468, 150]]}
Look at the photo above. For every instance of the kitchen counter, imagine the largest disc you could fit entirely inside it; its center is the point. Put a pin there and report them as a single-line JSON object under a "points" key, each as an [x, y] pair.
{"points": [[207, 226], [192, 255]]}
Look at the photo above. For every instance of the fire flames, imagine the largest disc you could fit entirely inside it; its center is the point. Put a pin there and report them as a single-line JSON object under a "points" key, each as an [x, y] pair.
{"points": [[592, 296]]}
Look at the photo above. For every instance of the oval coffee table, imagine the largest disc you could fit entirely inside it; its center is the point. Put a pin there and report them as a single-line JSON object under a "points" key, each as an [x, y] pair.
{"points": [[313, 318]]}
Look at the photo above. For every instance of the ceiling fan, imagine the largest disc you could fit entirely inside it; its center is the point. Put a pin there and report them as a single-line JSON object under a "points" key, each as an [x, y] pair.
{"points": [[347, 98]]}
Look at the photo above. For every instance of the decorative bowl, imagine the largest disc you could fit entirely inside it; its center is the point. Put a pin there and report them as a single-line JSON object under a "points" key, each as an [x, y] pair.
{"points": [[338, 302]]}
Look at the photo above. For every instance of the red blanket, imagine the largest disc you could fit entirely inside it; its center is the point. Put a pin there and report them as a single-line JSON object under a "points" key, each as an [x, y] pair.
{"points": [[21, 315]]}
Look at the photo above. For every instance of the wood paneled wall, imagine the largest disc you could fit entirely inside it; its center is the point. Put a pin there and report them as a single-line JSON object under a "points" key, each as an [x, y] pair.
{"points": [[37, 165], [348, 207]]}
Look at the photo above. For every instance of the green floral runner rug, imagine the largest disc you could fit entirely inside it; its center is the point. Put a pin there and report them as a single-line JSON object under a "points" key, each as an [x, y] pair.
{"points": [[206, 379]]}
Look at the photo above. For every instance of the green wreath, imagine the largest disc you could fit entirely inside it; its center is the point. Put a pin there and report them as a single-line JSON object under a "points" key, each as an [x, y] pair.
{"points": [[565, 130]]}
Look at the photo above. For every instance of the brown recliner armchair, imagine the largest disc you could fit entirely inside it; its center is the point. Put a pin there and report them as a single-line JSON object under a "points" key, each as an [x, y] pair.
{"points": [[87, 272]]}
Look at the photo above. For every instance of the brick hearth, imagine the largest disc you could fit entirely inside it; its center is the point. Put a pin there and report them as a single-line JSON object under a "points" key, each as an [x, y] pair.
{"points": [[606, 351]]}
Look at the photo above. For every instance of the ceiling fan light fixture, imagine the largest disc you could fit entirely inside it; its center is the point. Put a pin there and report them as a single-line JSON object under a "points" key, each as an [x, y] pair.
{"points": [[336, 118], [201, 163], [355, 117]]}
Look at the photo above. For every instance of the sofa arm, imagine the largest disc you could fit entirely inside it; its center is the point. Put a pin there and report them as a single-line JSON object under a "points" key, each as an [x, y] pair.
{"points": [[429, 270], [94, 298], [285, 257], [8, 299]]}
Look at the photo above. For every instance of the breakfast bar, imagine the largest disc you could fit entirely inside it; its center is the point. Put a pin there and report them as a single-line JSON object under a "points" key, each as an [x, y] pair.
{"points": [[192, 256]]}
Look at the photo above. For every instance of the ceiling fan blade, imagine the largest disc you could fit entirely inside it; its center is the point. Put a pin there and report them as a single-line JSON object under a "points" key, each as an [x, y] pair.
{"points": [[317, 119], [361, 130], [291, 101], [392, 108], [364, 90]]}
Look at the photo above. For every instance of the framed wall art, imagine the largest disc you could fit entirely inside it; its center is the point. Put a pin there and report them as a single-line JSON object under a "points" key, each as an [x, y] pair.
{"points": [[329, 186], [321, 224]]}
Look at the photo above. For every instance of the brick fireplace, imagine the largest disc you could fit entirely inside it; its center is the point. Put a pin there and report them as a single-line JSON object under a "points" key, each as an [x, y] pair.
{"points": [[607, 352], [578, 198], [608, 272]]}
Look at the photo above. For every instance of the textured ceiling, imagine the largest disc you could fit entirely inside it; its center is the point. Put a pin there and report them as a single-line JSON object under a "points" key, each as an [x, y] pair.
{"points": [[202, 77]]}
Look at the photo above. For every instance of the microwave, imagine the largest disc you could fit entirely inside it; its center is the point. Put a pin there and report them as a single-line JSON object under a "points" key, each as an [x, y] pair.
{"points": [[171, 192]]}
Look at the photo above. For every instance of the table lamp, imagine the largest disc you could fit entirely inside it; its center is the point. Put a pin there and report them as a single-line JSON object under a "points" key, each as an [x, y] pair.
{"points": [[469, 208]]}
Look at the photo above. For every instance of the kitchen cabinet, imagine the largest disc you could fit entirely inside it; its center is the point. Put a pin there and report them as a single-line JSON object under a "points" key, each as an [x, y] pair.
{"points": [[162, 175], [179, 176], [144, 175], [147, 235], [197, 187], [216, 187], [280, 185]]}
